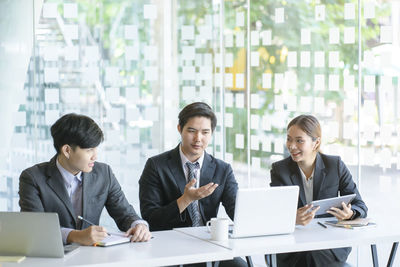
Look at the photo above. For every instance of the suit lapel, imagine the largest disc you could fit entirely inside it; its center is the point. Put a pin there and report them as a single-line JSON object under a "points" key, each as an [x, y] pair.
{"points": [[175, 166], [87, 189], [295, 176], [56, 183], [319, 176]]}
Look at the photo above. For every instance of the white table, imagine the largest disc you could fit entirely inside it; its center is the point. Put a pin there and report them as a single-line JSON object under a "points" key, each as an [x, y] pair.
{"points": [[304, 238], [166, 248]]}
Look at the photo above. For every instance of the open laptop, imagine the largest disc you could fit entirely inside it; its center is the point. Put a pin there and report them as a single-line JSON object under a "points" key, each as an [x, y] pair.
{"points": [[266, 211], [34, 234]]}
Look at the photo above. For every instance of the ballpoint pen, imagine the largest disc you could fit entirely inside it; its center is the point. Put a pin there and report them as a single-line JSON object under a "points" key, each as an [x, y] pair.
{"points": [[323, 225], [89, 222]]}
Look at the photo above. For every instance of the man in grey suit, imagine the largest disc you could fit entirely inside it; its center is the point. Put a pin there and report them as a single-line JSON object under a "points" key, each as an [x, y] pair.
{"points": [[185, 186], [73, 184]]}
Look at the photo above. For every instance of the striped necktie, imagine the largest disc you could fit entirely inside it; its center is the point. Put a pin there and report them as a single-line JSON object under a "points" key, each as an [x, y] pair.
{"points": [[193, 208]]}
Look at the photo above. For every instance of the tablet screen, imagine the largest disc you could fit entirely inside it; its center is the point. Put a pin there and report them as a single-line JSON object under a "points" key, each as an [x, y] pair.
{"points": [[326, 204]]}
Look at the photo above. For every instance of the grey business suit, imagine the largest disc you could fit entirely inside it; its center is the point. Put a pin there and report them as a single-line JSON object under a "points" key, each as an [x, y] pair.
{"points": [[42, 189], [331, 177]]}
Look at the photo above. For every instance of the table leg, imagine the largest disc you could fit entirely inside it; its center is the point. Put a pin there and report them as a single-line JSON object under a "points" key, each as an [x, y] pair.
{"points": [[392, 254], [249, 261], [374, 256]]}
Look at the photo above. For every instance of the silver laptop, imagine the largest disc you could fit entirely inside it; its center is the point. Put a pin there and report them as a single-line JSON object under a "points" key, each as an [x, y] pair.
{"points": [[34, 234], [266, 211]]}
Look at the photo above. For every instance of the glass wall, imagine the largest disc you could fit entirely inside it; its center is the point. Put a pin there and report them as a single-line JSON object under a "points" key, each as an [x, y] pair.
{"points": [[132, 65]]}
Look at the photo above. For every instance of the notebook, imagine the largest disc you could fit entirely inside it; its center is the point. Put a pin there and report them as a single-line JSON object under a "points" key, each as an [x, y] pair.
{"points": [[268, 211], [33, 234], [113, 239]]}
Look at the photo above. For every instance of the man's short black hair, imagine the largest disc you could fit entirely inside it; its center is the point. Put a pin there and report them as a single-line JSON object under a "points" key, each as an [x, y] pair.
{"points": [[197, 109], [76, 130]]}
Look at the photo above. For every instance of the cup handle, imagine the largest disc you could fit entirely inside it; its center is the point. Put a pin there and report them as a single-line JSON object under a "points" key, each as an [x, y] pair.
{"points": [[208, 226]]}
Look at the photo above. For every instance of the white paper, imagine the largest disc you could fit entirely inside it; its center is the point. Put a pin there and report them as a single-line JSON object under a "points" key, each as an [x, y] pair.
{"points": [[319, 105], [278, 102], [228, 60], [255, 101], [50, 53], [278, 146], [369, 10], [132, 94], [228, 120], [132, 52], [188, 52], [49, 10], [71, 53], [319, 12], [90, 74], [305, 104], [348, 107], [188, 93], [239, 141], [112, 75], [369, 59], [187, 32], [333, 82], [151, 73], [150, 11], [369, 83], [305, 59], [92, 53], [319, 59], [132, 114], [292, 59], [239, 80], [334, 35], [387, 83], [239, 100], [112, 94], [349, 35], [228, 100], [266, 123], [70, 95], [51, 96], [291, 103], [348, 82], [205, 32], [266, 37], [254, 121], [70, 10], [51, 116], [254, 142], [131, 32], [151, 53], [279, 15], [349, 11], [255, 59], [279, 81], [305, 36], [386, 34], [228, 80], [266, 80], [240, 19], [205, 94], [71, 31], [333, 59], [239, 39], [51, 75], [229, 40], [255, 38], [266, 145], [188, 73], [19, 118], [151, 113]]}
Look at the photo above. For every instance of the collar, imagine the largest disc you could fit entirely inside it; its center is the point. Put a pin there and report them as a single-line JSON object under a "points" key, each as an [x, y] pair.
{"points": [[184, 159], [68, 177]]}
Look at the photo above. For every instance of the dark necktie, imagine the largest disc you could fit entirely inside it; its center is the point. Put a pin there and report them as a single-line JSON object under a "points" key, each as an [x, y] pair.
{"points": [[193, 208]]}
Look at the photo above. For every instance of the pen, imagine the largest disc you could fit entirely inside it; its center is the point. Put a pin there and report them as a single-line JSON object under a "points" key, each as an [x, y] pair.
{"points": [[323, 225], [89, 222]]}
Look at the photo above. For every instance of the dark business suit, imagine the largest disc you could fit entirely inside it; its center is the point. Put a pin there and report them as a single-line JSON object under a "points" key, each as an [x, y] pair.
{"points": [[163, 182], [42, 189], [331, 177]]}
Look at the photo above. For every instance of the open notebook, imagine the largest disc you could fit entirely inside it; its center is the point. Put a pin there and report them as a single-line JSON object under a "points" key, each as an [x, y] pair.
{"points": [[113, 239]]}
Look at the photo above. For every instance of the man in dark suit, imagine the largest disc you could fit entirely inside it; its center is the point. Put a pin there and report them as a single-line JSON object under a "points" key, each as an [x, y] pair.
{"points": [[73, 184], [184, 186]]}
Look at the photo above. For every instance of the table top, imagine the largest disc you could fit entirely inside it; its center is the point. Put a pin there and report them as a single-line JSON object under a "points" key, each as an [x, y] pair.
{"points": [[310, 237], [166, 248]]}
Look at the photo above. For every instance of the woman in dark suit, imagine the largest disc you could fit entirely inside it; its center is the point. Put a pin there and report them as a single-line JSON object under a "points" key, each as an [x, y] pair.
{"points": [[319, 176]]}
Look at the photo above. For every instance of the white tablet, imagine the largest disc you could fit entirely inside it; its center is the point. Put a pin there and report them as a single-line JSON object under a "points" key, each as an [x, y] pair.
{"points": [[326, 204]]}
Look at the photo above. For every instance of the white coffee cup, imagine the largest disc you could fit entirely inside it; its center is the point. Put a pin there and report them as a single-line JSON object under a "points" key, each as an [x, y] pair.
{"points": [[219, 228]]}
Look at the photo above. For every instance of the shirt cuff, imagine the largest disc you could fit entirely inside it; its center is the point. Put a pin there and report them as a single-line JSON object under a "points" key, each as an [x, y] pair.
{"points": [[134, 223], [64, 234]]}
